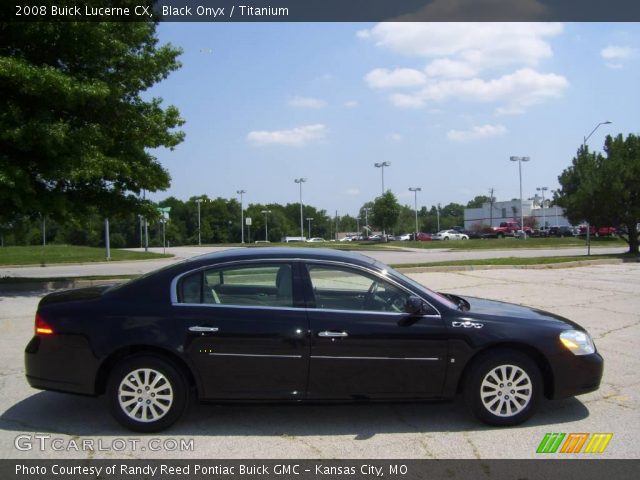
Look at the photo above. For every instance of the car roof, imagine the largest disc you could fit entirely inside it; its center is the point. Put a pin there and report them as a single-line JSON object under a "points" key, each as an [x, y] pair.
{"points": [[290, 253]]}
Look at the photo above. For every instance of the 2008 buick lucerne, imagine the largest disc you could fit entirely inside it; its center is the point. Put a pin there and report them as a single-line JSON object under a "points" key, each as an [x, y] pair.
{"points": [[300, 324]]}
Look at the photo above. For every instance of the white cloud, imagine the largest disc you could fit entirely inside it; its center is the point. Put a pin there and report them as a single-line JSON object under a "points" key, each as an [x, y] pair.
{"points": [[443, 67], [397, 78], [353, 192], [295, 137], [351, 104], [478, 45], [395, 137], [517, 90], [307, 102], [476, 133], [616, 52], [460, 59]]}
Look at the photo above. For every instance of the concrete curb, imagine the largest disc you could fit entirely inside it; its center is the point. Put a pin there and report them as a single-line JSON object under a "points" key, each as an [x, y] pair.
{"points": [[461, 268]]}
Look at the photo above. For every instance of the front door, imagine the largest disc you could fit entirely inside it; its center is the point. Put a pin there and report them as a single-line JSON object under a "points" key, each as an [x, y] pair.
{"points": [[243, 331], [364, 345]]}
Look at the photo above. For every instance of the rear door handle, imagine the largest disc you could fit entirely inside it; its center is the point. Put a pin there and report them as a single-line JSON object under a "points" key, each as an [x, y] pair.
{"points": [[201, 329], [329, 334]]}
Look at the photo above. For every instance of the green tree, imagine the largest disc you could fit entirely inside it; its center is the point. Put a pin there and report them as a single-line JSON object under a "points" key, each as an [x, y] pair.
{"points": [[74, 128], [603, 189], [385, 211], [478, 201]]}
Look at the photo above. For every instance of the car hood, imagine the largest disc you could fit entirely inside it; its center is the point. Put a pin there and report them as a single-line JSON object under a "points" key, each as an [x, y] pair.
{"points": [[514, 313]]}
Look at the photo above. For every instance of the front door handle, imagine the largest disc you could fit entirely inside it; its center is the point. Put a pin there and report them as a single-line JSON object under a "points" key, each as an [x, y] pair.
{"points": [[201, 329], [329, 334]]}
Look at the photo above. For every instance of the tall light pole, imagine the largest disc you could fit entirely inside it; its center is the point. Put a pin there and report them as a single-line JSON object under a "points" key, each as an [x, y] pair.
{"points": [[300, 181], [241, 193], [544, 217], [520, 160], [584, 145], [199, 201], [415, 191], [381, 166], [366, 216], [438, 216], [309, 223], [266, 223]]}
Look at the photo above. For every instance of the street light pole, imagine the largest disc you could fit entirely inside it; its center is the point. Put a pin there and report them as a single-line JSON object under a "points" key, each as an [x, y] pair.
{"points": [[266, 228], [544, 217], [415, 191], [309, 223], [438, 216], [199, 201], [300, 181], [241, 193], [584, 145], [381, 166], [520, 160]]}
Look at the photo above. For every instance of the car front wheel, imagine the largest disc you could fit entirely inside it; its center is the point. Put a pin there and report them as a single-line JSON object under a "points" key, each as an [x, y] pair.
{"points": [[147, 393], [503, 388]]}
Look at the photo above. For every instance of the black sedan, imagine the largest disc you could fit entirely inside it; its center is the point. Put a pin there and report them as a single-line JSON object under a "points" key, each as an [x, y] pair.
{"points": [[297, 325]]}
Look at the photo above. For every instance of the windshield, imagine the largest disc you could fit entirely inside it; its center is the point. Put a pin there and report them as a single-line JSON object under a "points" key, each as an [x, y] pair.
{"points": [[418, 286]]}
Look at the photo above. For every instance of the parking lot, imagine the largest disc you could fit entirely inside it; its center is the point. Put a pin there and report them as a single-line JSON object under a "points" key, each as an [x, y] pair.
{"points": [[602, 298]]}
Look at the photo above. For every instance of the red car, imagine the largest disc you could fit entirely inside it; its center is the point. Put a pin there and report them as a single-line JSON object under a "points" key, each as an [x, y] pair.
{"points": [[423, 237], [598, 232]]}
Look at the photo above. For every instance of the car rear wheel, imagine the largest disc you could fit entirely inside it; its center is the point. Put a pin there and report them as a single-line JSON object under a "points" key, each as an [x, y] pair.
{"points": [[503, 388], [147, 393]]}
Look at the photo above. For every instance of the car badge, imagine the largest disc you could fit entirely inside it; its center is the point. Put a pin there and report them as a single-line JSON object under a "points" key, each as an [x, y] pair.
{"points": [[467, 324]]}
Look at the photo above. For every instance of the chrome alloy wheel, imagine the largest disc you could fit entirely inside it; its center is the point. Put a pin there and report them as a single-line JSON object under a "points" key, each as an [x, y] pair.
{"points": [[506, 390], [145, 395]]}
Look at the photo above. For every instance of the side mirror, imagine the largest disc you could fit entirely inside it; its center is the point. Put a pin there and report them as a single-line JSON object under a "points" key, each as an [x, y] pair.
{"points": [[414, 305]]}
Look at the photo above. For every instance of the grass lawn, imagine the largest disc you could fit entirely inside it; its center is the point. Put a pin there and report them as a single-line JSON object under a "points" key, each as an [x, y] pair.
{"points": [[508, 243], [38, 255], [515, 261]]}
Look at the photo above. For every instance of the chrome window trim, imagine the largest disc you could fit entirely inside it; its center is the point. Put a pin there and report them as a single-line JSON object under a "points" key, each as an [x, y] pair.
{"points": [[374, 272]]}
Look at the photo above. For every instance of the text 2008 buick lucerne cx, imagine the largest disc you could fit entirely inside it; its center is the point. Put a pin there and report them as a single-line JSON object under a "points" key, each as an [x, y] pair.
{"points": [[285, 324]]}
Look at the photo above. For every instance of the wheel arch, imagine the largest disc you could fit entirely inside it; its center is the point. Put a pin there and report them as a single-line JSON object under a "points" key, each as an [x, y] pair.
{"points": [[530, 351], [117, 356]]}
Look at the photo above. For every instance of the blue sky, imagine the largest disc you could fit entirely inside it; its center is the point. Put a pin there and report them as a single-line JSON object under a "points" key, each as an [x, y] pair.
{"points": [[446, 104]]}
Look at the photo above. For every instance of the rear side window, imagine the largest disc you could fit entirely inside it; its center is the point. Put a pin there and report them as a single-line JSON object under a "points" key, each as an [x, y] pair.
{"points": [[267, 285]]}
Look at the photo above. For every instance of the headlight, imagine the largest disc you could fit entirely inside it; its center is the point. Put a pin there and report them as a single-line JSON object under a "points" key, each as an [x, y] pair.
{"points": [[578, 342]]}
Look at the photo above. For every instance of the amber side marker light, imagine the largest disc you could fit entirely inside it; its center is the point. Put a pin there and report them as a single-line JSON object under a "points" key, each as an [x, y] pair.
{"points": [[42, 327]]}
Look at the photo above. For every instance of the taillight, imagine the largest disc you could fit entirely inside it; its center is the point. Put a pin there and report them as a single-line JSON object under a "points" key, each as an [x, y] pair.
{"points": [[42, 327]]}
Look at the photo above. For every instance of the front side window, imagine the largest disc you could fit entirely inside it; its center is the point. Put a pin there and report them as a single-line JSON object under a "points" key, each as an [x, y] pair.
{"points": [[339, 288], [264, 285]]}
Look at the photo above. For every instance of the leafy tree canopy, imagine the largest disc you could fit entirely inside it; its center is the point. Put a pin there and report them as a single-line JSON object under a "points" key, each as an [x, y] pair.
{"points": [[603, 189], [74, 127], [385, 211]]}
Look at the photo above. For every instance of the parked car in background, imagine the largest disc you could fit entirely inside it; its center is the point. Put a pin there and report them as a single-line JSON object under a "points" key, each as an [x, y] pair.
{"points": [[562, 231], [403, 238], [316, 240], [449, 235], [597, 231], [423, 237], [347, 239], [296, 325], [506, 229]]}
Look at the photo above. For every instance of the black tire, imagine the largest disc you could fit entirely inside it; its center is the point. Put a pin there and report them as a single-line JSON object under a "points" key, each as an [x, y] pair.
{"points": [[170, 382], [496, 410], [500, 235]]}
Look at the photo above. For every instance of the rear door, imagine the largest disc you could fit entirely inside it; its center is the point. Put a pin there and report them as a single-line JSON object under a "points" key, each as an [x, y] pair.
{"points": [[245, 330], [363, 344]]}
